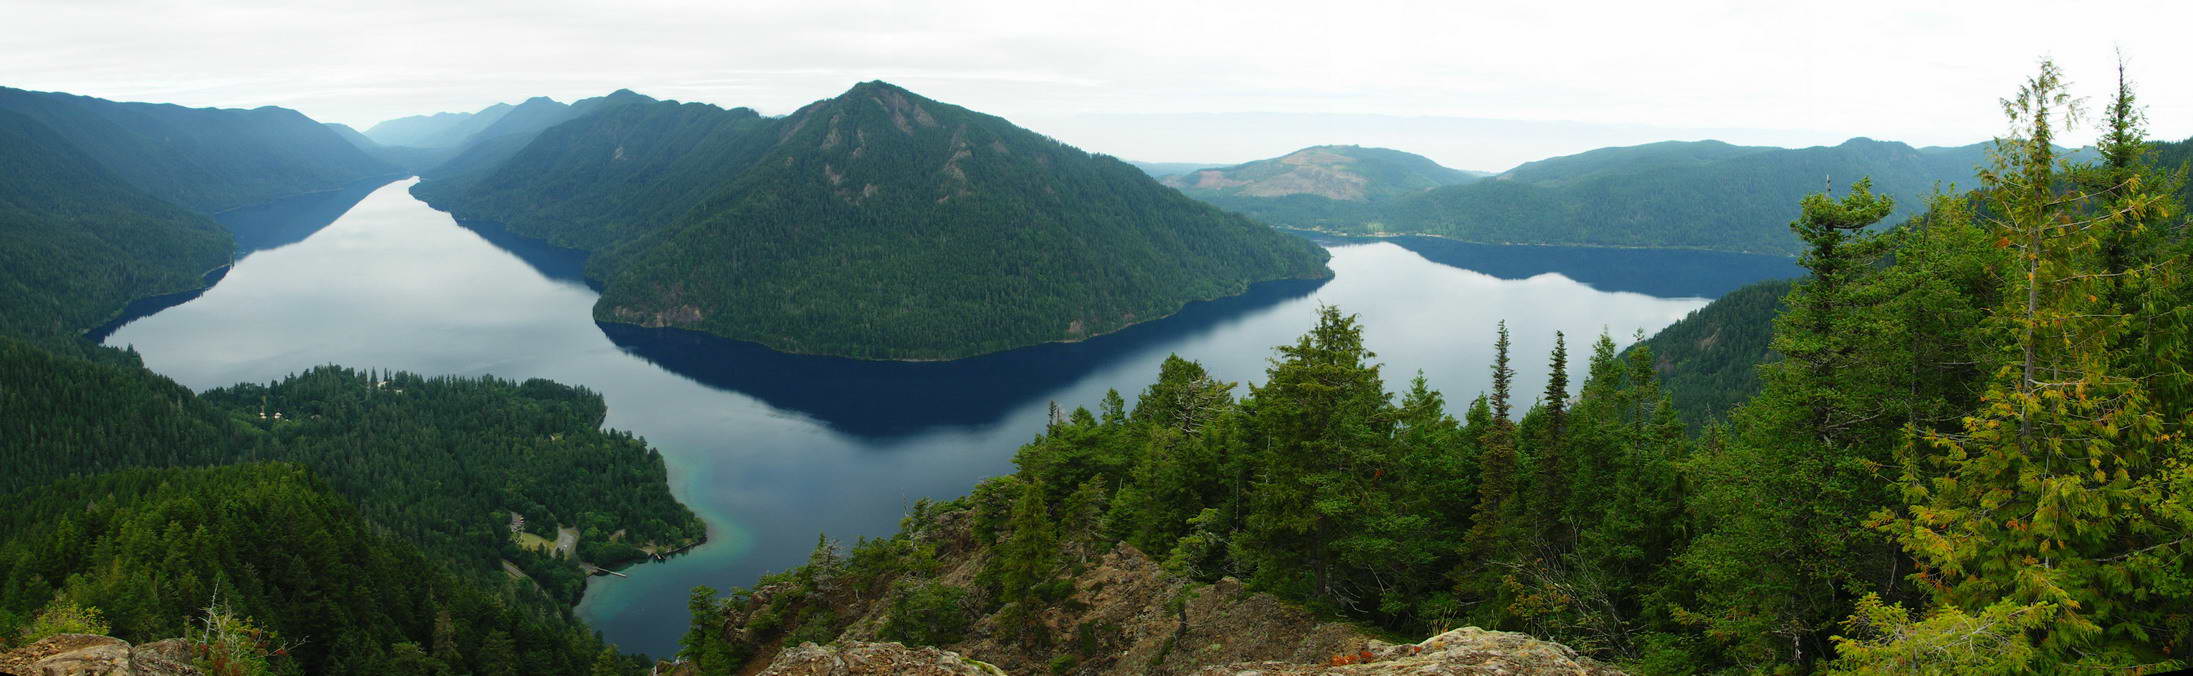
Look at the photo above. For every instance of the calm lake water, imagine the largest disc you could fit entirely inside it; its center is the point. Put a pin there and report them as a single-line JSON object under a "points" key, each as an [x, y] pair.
{"points": [[771, 449]]}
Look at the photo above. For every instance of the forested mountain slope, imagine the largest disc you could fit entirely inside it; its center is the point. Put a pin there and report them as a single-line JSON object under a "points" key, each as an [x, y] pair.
{"points": [[77, 243], [202, 159], [148, 550], [482, 151], [877, 224], [1707, 360], [1676, 195]]}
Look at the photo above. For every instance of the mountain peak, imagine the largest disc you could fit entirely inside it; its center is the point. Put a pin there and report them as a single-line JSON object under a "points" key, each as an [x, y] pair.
{"points": [[875, 87]]}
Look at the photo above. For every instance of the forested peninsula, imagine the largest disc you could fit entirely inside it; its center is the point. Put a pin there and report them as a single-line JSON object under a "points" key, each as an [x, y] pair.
{"points": [[877, 224]]}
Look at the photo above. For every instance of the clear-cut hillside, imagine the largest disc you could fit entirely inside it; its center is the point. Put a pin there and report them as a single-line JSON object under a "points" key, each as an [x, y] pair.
{"points": [[1348, 173]]}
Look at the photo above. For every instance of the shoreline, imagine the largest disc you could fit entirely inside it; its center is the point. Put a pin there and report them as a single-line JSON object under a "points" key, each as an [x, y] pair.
{"points": [[1627, 247]]}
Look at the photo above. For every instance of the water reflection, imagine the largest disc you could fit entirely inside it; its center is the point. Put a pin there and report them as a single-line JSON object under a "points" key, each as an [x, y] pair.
{"points": [[259, 227], [1666, 273], [885, 398], [290, 220], [553, 262]]}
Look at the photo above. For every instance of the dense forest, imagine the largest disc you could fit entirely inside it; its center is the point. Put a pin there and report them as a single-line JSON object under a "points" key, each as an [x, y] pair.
{"points": [[875, 225], [439, 461], [263, 567], [1969, 456], [202, 159], [1706, 360], [77, 244]]}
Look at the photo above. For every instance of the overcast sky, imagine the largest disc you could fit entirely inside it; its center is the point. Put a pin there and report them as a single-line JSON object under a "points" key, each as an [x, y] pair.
{"points": [[1476, 85]]}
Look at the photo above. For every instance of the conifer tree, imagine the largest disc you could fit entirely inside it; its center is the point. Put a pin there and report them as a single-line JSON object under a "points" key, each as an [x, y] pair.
{"points": [[1549, 459], [1323, 423], [1782, 506], [2064, 492]]}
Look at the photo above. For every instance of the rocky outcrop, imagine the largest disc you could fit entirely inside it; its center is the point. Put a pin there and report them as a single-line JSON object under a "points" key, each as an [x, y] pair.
{"points": [[74, 654], [1468, 650], [855, 658], [1124, 614]]}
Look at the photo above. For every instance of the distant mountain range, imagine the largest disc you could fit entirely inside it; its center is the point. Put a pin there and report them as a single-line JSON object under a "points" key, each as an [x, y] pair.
{"points": [[1346, 173], [877, 224], [1164, 169], [202, 159], [1676, 194], [105, 202]]}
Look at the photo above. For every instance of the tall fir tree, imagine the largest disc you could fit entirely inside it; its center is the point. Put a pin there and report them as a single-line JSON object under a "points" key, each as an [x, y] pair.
{"points": [[2064, 493]]}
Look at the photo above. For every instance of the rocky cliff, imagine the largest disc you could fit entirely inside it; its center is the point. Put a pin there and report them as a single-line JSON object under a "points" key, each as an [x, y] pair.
{"points": [[1119, 613], [73, 654]]}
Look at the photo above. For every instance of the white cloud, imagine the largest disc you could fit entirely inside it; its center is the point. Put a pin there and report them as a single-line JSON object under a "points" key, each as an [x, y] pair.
{"points": [[1106, 73]]}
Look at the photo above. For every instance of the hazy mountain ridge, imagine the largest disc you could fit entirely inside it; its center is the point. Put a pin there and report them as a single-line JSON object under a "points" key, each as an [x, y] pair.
{"points": [[203, 159], [1673, 194], [875, 224], [437, 130]]}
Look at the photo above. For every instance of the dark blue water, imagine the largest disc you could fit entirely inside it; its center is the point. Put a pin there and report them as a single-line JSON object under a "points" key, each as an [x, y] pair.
{"points": [[772, 448]]}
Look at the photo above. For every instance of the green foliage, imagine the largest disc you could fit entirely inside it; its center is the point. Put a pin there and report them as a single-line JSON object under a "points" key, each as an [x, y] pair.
{"points": [[1980, 416], [269, 541], [437, 460], [1947, 641], [875, 225], [926, 614], [1708, 359], [2061, 489], [202, 159], [60, 617], [77, 243]]}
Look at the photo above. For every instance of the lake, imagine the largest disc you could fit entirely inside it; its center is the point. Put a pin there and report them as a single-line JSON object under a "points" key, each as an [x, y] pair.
{"points": [[771, 449]]}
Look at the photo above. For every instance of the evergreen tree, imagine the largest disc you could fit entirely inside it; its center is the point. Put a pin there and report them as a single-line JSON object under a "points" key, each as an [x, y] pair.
{"points": [[1550, 479], [1784, 549], [2064, 492], [1322, 424]]}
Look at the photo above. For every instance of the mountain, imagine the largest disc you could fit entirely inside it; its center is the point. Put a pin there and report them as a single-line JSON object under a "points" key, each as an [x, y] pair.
{"points": [[77, 243], [877, 224], [1164, 169], [1706, 360], [1702, 195], [1347, 173], [202, 159], [1320, 187], [493, 144], [356, 139], [1676, 194], [439, 130]]}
